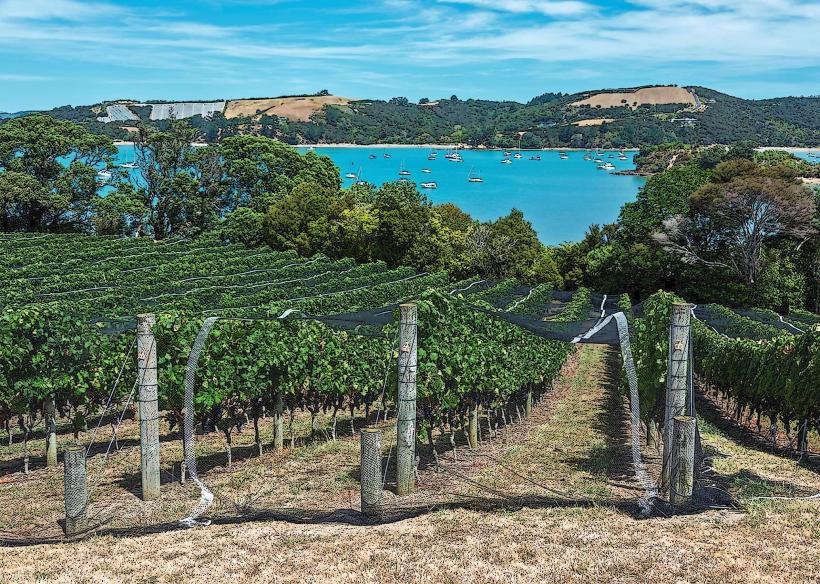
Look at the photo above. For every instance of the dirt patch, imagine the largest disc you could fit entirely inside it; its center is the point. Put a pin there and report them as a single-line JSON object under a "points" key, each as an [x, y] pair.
{"points": [[292, 108], [633, 99]]}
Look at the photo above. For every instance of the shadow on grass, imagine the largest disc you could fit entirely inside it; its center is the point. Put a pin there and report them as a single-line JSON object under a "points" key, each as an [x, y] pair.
{"points": [[745, 436]]}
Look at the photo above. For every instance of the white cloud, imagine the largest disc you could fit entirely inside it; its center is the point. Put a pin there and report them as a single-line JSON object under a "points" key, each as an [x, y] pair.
{"points": [[54, 9], [546, 7]]}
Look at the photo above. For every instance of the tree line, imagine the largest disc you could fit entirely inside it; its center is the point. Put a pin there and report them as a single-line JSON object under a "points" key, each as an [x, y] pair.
{"points": [[247, 189]]}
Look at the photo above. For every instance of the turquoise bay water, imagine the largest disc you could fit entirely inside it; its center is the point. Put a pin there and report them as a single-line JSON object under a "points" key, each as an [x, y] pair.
{"points": [[560, 197]]}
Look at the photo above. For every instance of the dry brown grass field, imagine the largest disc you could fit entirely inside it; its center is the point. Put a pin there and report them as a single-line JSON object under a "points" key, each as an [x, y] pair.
{"points": [[646, 95], [292, 108], [550, 498]]}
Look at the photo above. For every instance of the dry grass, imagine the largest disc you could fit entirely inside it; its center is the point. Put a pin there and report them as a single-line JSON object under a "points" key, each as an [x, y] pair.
{"points": [[547, 500], [292, 108], [632, 99], [593, 122]]}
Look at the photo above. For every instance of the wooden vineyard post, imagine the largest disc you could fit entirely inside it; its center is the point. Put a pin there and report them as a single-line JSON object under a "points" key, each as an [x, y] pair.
{"points": [[278, 433], [528, 403], [148, 410], [472, 427], [406, 414], [51, 431], [75, 489], [371, 472], [677, 380], [682, 460]]}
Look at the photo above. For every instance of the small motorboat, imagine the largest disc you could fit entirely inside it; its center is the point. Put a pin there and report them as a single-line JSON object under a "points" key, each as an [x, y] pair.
{"points": [[429, 185], [104, 175], [563, 156], [507, 153], [386, 155], [517, 155], [372, 157], [426, 170], [536, 157], [351, 175], [506, 161]]}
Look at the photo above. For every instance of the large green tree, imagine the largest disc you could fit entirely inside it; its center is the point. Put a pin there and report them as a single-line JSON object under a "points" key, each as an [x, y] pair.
{"points": [[49, 173], [181, 186]]}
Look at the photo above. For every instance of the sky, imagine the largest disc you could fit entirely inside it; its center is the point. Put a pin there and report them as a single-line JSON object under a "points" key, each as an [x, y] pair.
{"points": [[80, 52]]}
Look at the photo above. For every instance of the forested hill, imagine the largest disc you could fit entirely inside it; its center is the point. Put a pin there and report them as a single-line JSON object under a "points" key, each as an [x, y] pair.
{"points": [[604, 118]]}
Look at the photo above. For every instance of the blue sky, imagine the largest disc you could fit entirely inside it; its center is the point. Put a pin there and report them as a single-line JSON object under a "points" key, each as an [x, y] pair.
{"points": [[56, 52]]}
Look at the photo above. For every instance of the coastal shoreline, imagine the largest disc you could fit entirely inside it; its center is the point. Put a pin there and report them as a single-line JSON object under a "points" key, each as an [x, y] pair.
{"points": [[464, 147], [487, 148]]}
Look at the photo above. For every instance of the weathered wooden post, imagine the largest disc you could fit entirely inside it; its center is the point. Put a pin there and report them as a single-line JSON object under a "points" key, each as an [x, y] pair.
{"points": [[51, 431], [74, 486], [472, 427], [677, 379], [406, 407], [371, 472], [278, 426], [682, 460], [528, 403], [148, 410]]}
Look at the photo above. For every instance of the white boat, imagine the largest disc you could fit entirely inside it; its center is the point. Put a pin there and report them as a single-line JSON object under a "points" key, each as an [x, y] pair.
{"points": [[350, 175], [607, 166], [517, 155], [104, 175], [506, 161], [429, 185], [474, 178], [403, 172], [536, 157], [426, 170], [599, 160], [130, 164], [623, 157], [386, 155]]}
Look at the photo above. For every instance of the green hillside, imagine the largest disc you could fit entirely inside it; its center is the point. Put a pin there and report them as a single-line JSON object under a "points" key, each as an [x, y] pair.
{"points": [[548, 120]]}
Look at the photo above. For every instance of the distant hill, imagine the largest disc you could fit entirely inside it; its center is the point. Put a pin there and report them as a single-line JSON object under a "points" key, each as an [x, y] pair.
{"points": [[619, 118]]}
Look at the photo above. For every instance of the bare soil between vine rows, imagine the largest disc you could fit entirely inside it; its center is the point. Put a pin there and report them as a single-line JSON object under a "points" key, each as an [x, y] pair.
{"points": [[549, 499]]}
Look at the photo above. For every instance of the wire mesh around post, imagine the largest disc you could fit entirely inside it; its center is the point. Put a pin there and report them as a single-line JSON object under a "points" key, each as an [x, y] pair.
{"points": [[76, 491], [371, 472]]}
